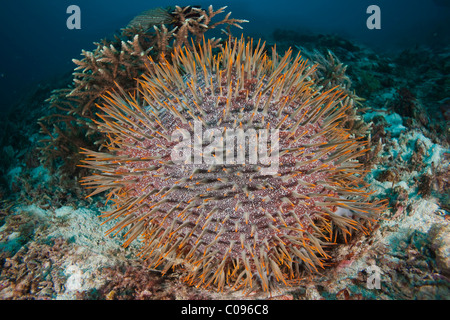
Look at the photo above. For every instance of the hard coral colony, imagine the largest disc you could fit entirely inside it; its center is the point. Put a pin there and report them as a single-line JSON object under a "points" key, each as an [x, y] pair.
{"points": [[229, 224]]}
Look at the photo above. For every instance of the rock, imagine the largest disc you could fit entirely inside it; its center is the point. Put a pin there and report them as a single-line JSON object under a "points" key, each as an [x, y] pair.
{"points": [[440, 243]]}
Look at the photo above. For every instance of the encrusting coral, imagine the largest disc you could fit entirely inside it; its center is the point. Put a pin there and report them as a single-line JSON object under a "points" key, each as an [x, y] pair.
{"points": [[232, 225]]}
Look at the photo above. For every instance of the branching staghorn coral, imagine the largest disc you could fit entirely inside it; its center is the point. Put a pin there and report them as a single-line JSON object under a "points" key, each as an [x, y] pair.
{"points": [[117, 62]]}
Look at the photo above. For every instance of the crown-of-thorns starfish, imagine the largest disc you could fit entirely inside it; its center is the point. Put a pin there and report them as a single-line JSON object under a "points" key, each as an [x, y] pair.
{"points": [[228, 224]]}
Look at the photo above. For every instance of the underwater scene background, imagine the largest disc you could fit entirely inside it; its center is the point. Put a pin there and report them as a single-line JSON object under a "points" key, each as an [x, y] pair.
{"points": [[391, 69]]}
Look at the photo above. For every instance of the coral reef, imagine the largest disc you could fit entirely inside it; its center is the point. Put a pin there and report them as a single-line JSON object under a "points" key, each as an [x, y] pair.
{"points": [[32, 273], [51, 243]]}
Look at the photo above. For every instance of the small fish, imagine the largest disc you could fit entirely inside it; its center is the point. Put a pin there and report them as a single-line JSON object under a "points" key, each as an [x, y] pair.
{"points": [[151, 17]]}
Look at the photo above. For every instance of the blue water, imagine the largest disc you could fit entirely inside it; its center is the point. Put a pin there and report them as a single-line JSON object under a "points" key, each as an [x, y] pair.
{"points": [[36, 44]]}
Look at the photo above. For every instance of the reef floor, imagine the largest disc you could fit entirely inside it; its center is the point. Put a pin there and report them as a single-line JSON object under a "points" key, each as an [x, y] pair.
{"points": [[52, 243]]}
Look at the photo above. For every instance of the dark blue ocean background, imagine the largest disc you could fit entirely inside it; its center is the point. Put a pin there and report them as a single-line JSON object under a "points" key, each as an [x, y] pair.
{"points": [[37, 45]]}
